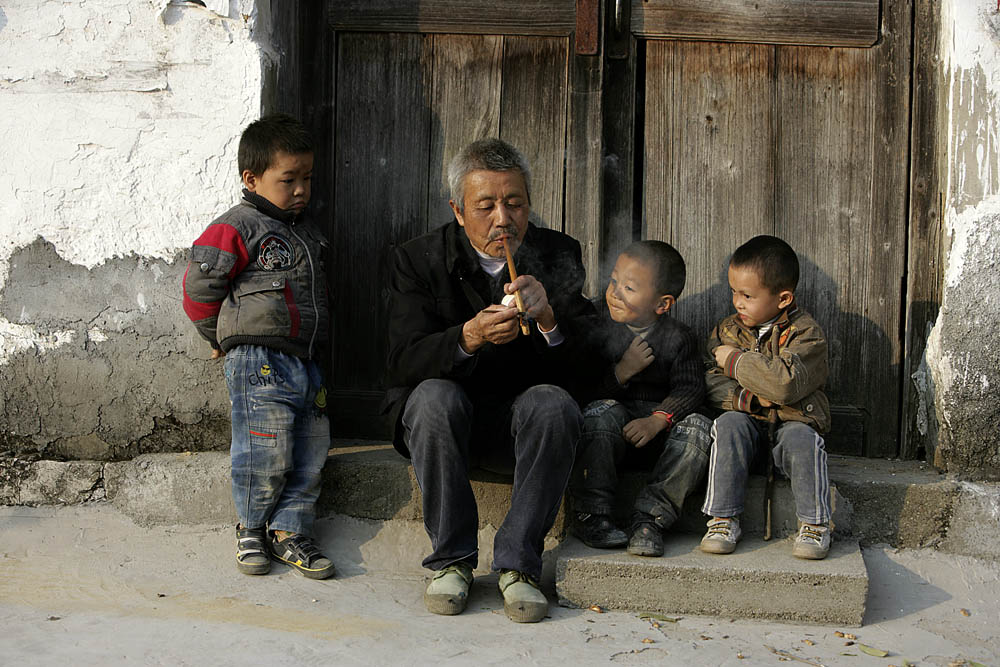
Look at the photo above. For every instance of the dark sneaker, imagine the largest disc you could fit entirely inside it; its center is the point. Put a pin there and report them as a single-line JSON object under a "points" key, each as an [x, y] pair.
{"points": [[523, 601], [448, 591], [646, 540], [302, 554], [598, 531], [251, 558]]}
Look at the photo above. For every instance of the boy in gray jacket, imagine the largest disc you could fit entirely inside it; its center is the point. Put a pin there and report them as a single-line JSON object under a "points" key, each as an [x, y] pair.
{"points": [[256, 290]]}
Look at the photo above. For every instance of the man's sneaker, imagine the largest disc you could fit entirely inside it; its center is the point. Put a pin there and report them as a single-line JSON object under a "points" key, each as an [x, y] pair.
{"points": [[722, 536], [448, 592], [646, 540], [302, 554], [251, 558], [812, 542], [598, 531], [523, 602]]}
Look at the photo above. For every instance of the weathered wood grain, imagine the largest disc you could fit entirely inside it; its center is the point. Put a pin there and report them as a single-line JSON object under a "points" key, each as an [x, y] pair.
{"points": [[464, 103], [709, 164], [924, 259], [583, 164], [382, 153], [510, 17], [533, 117], [807, 22]]}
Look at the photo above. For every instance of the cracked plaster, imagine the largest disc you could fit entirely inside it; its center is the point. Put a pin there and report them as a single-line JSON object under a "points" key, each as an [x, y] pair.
{"points": [[120, 146]]}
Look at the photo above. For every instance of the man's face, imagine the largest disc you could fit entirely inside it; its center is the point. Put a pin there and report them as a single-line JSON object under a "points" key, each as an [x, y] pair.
{"points": [[754, 303], [496, 208], [286, 183], [631, 295]]}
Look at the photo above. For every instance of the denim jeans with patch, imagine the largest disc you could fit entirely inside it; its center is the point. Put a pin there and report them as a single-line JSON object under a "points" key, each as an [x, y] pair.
{"points": [[676, 461], [281, 437]]}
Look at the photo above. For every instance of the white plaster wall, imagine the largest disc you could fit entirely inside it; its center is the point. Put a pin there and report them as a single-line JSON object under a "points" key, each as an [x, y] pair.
{"points": [[963, 352], [121, 120]]}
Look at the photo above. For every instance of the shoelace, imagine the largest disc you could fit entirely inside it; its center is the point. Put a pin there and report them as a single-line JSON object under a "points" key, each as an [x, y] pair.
{"points": [[521, 576], [723, 528], [810, 533]]}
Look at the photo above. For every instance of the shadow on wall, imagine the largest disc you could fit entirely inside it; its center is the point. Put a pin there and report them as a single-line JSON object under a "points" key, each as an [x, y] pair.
{"points": [[863, 385], [3, 20]]}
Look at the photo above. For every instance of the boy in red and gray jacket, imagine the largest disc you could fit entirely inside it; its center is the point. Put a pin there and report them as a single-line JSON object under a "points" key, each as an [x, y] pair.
{"points": [[256, 290]]}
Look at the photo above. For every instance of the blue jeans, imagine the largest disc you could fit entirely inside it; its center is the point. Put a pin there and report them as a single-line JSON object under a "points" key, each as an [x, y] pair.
{"points": [[799, 453], [676, 461], [281, 437], [447, 433]]}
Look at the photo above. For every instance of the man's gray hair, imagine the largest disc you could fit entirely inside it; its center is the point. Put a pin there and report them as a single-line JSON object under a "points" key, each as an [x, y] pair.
{"points": [[488, 154]]}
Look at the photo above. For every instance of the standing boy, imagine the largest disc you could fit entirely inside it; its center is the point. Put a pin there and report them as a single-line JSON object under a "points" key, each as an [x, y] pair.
{"points": [[652, 378], [769, 361], [256, 290]]}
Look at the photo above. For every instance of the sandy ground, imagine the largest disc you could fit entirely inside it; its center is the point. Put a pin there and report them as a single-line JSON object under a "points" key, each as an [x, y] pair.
{"points": [[86, 586]]}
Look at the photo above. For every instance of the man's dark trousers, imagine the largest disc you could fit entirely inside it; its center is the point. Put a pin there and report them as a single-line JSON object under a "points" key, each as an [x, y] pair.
{"points": [[447, 432]]}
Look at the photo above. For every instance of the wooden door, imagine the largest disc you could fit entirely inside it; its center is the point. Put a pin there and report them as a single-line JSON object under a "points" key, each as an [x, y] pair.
{"points": [[698, 123], [402, 86], [809, 143]]}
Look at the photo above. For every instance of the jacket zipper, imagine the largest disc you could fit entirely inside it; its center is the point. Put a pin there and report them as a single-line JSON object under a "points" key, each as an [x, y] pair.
{"points": [[312, 284]]}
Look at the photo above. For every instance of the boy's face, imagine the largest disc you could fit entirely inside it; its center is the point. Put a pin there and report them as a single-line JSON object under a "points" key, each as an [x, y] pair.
{"points": [[631, 295], [496, 208], [754, 303], [286, 183]]}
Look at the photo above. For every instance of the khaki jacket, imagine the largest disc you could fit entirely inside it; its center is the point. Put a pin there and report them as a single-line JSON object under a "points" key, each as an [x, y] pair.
{"points": [[787, 367]]}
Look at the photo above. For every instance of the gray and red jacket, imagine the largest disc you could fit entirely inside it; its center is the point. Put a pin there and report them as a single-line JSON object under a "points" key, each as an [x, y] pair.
{"points": [[256, 277], [788, 367]]}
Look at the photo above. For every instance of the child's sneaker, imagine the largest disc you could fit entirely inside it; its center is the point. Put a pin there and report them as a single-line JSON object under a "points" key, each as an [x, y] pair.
{"points": [[250, 555], [302, 554], [813, 542], [598, 531], [722, 536]]}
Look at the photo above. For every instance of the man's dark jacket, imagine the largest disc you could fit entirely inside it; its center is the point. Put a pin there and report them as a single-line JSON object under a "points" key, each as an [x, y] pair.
{"points": [[437, 285]]}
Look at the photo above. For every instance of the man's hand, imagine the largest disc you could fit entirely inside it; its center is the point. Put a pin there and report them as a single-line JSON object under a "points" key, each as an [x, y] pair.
{"points": [[637, 356], [217, 354], [722, 354], [536, 301], [493, 324], [641, 431]]}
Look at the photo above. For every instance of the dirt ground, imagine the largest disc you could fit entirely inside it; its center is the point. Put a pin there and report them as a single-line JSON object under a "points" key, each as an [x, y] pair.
{"points": [[86, 586]]}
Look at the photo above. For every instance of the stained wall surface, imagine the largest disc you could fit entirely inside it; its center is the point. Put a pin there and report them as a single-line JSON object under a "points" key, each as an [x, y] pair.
{"points": [[120, 126], [963, 355]]}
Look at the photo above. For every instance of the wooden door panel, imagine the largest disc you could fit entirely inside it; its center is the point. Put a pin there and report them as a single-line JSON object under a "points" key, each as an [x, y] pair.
{"points": [[533, 117], [509, 17], [464, 105], [814, 22], [709, 169], [380, 174]]}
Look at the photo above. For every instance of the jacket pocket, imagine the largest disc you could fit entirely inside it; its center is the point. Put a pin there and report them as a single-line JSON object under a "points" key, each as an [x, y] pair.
{"points": [[262, 307]]}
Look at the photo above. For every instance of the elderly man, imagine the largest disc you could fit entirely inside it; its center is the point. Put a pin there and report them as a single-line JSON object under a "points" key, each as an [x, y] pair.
{"points": [[469, 387]]}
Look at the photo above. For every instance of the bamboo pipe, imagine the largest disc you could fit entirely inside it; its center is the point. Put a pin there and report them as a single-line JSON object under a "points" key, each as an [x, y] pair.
{"points": [[517, 293]]}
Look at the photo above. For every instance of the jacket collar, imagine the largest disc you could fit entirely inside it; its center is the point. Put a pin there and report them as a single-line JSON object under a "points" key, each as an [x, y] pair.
{"points": [[784, 320], [267, 208]]}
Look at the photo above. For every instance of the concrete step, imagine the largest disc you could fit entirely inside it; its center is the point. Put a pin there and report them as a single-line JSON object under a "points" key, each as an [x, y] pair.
{"points": [[759, 580], [902, 503]]}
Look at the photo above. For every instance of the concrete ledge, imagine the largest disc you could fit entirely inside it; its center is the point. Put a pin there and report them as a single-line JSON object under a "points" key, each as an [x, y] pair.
{"points": [[905, 504], [161, 489], [760, 580]]}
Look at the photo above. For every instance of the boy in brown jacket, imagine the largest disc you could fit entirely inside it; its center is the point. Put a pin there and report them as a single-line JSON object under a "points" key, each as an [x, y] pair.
{"points": [[771, 356]]}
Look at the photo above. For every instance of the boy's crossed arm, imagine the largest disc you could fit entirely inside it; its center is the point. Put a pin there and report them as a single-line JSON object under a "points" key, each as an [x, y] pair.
{"points": [[747, 381]]}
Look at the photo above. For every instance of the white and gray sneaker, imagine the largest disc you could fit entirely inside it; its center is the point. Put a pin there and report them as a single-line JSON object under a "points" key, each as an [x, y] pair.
{"points": [[722, 536], [812, 542]]}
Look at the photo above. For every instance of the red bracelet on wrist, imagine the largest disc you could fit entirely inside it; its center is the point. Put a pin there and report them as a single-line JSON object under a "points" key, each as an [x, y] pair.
{"points": [[666, 416]]}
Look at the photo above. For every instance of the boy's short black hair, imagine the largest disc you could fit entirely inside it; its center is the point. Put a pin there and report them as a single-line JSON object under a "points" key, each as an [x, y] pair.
{"points": [[667, 264], [271, 134], [772, 259]]}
